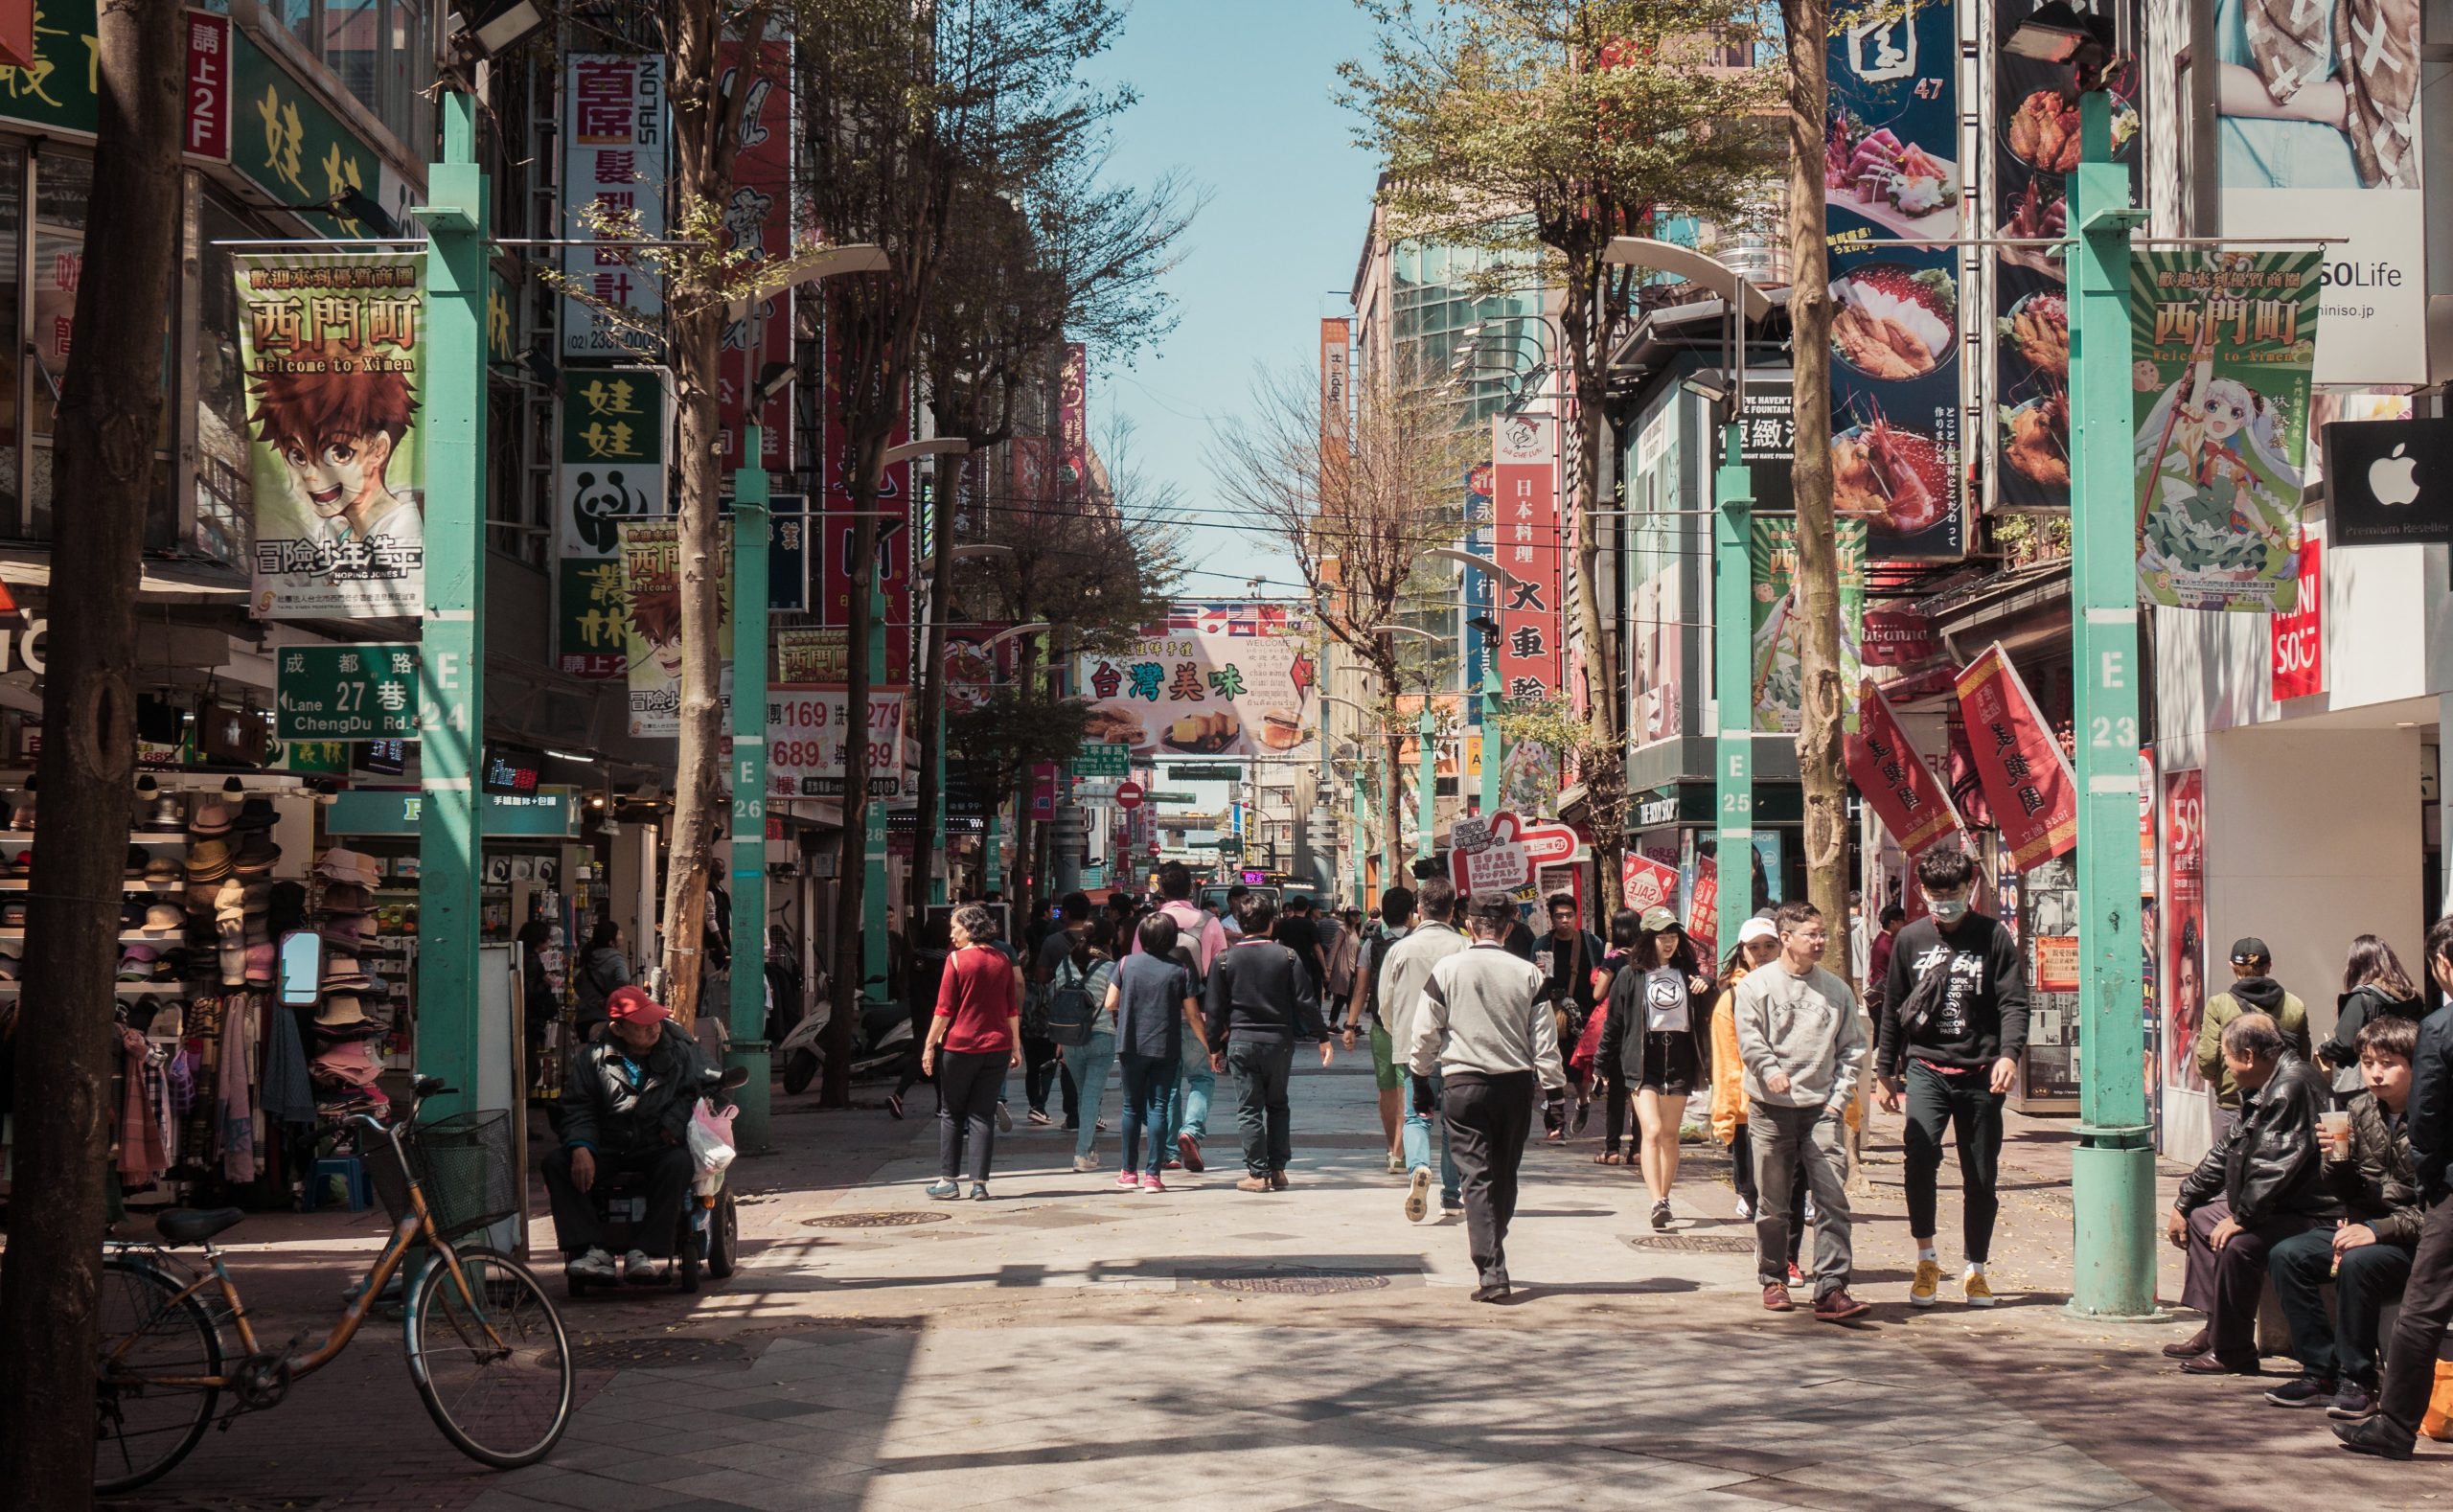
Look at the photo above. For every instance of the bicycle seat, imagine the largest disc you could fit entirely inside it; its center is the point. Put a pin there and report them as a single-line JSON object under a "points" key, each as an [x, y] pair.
{"points": [[193, 1225]]}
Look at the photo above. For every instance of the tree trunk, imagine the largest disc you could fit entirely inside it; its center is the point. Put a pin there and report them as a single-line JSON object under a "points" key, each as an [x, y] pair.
{"points": [[1393, 842], [696, 799], [852, 864], [110, 409], [1578, 319], [1826, 700]]}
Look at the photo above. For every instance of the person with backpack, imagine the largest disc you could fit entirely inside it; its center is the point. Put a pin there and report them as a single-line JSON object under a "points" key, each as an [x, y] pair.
{"points": [[1045, 1065], [2373, 986], [602, 969], [1151, 1000], [1083, 1031], [1396, 918], [1260, 999], [1954, 1023], [1199, 934], [1567, 956], [2254, 990]]}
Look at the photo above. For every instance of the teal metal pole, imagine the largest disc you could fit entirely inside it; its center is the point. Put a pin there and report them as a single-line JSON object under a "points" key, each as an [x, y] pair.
{"points": [[1732, 688], [749, 662], [942, 862], [1362, 832], [873, 909], [2112, 1172], [1493, 751], [1426, 774], [451, 650]]}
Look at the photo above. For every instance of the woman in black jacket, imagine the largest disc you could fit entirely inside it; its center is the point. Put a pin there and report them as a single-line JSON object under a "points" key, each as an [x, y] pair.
{"points": [[1659, 1035], [2373, 986]]}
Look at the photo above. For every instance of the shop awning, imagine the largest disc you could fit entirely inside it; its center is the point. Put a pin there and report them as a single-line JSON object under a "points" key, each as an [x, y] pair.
{"points": [[158, 580]]}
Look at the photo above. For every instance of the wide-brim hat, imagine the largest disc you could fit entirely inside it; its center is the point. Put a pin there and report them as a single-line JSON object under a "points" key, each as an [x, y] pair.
{"points": [[257, 854], [349, 866], [346, 898], [341, 1008], [209, 816], [256, 813], [343, 930], [342, 972], [163, 869], [209, 859]]}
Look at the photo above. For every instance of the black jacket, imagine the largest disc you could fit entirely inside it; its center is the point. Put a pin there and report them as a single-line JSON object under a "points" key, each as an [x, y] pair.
{"points": [[2376, 1185], [1260, 989], [1625, 1045], [1985, 1017], [2356, 1008], [2431, 1110], [2268, 1166], [611, 1111]]}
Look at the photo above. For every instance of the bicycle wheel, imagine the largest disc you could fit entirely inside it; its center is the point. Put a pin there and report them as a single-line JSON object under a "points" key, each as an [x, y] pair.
{"points": [[141, 1429], [493, 1365]]}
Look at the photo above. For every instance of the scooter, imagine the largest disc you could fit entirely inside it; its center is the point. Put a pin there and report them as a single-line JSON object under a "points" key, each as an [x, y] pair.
{"points": [[708, 1236], [880, 1041]]}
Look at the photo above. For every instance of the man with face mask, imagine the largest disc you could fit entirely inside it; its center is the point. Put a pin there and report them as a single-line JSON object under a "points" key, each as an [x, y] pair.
{"points": [[1952, 1067]]}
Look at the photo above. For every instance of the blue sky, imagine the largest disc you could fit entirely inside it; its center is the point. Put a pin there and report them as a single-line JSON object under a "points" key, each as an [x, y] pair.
{"points": [[1236, 93]]}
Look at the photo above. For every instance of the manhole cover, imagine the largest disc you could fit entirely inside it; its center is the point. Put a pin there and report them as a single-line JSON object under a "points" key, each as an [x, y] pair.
{"points": [[1695, 1244], [650, 1354], [1298, 1283], [896, 1220]]}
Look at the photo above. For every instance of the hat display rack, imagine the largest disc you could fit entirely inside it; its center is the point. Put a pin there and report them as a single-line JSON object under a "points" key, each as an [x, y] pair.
{"points": [[356, 1022]]}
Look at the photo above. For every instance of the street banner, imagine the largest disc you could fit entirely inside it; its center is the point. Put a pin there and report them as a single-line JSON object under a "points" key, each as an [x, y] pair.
{"points": [[807, 739], [1217, 679], [334, 352], [757, 227], [611, 468], [346, 692], [1891, 172], [1073, 425], [1337, 341], [1901, 790], [1647, 883], [2222, 347], [613, 149], [1525, 472], [1481, 588], [811, 653], [2025, 778], [1703, 906], [973, 667], [2184, 906], [788, 547], [2389, 482], [2034, 152], [652, 611], [2296, 637], [1512, 851], [837, 531], [2318, 132], [589, 619], [1777, 666]]}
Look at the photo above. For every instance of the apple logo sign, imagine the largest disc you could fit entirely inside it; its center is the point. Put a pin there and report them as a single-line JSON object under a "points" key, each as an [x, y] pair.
{"points": [[2394, 478]]}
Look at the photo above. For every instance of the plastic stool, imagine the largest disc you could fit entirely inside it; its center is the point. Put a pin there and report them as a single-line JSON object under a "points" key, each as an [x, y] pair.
{"points": [[352, 1169]]}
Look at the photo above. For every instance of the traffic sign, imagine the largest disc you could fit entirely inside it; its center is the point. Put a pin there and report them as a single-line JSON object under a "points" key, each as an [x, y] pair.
{"points": [[1192, 772], [1102, 759], [1128, 796], [1170, 796]]}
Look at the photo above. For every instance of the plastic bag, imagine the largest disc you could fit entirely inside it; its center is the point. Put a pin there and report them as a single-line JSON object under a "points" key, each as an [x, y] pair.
{"points": [[2438, 1424], [711, 1146]]}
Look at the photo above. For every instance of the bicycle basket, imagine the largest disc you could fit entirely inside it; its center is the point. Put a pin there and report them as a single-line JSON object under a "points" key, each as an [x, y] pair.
{"points": [[463, 1163]]}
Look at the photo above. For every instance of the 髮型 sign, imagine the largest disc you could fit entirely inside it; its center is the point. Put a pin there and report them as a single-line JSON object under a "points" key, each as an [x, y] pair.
{"points": [[347, 693], [2389, 482]]}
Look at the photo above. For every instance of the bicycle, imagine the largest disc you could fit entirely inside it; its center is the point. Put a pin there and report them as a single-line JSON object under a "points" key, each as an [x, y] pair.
{"points": [[486, 1348]]}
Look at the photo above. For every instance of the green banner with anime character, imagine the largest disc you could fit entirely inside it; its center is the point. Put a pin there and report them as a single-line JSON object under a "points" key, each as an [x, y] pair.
{"points": [[651, 622], [2223, 346], [333, 350]]}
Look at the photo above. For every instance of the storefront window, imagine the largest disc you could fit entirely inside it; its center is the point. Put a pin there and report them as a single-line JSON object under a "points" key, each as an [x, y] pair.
{"points": [[380, 51], [224, 496]]}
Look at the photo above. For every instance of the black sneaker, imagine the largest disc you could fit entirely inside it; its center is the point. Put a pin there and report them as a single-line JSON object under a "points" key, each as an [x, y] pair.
{"points": [[2353, 1402], [2305, 1391], [1660, 1216], [2373, 1436], [894, 1106]]}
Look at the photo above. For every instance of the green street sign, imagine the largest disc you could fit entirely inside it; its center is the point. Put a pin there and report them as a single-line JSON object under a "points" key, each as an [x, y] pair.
{"points": [[1103, 759], [1200, 773], [347, 693], [1170, 797], [547, 814]]}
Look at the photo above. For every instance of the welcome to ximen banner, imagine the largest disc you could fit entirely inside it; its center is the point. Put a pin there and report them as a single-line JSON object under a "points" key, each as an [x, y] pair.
{"points": [[2223, 346], [333, 347]]}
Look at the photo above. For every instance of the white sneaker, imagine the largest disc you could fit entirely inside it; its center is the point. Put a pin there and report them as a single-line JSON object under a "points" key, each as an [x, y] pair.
{"points": [[594, 1265], [1418, 1195], [1086, 1163], [1745, 1211], [640, 1269]]}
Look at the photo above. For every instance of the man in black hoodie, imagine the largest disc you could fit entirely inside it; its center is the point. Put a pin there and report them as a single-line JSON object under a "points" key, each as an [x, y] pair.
{"points": [[1955, 1064]]}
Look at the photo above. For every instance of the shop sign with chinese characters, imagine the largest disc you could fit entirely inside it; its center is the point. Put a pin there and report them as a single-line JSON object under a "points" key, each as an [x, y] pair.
{"points": [[296, 151], [1525, 532], [614, 141], [2025, 777], [612, 469], [347, 693], [53, 85]]}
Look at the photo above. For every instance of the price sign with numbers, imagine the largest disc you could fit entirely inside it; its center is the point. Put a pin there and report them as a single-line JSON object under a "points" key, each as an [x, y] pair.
{"points": [[346, 692]]}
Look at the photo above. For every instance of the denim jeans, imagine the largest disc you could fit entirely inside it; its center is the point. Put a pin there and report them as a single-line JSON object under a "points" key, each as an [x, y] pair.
{"points": [[1188, 1109], [1418, 1138], [1086, 1063], [1261, 1069], [1149, 1087]]}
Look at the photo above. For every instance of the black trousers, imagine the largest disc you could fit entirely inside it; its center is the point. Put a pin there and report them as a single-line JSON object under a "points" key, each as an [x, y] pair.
{"points": [[1966, 1105], [1614, 1106], [1263, 1115], [2427, 1307], [2343, 1347], [969, 1086], [1041, 1064], [1489, 1118], [665, 1173]]}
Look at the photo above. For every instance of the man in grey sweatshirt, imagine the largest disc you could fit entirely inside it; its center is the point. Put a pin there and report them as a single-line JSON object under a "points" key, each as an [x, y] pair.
{"points": [[1483, 1026], [1803, 1048]]}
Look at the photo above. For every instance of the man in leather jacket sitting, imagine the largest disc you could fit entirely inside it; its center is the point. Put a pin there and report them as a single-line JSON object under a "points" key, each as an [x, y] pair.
{"points": [[626, 1101], [2262, 1183]]}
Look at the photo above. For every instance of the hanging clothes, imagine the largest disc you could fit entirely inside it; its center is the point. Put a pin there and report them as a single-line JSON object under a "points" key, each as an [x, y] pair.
{"points": [[143, 1153], [233, 1109], [290, 1096]]}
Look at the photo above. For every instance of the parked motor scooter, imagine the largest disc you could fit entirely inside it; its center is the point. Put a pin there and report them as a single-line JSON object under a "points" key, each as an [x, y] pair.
{"points": [[880, 1041]]}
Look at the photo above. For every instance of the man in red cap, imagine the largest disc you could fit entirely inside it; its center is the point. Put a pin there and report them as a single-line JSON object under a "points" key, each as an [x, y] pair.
{"points": [[626, 1101]]}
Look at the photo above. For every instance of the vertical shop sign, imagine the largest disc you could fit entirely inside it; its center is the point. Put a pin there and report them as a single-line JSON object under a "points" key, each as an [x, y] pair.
{"points": [[614, 158], [2296, 638], [2184, 906], [1482, 589], [1885, 765], [651, 555], [332, 349], [2223, 345], [1073, 425], [613, 453], [1337, 341], [1524, 474], [2025, 778], [208, 87], [1889, 171], [2034, 151], [757, 227], [1776, 663]]}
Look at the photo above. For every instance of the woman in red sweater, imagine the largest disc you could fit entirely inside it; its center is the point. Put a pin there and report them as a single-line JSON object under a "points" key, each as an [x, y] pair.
{"points": [[975, 1038]]}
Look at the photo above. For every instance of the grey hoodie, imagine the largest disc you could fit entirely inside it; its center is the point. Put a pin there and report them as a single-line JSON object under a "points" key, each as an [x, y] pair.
{"points": [[1804, 1025]]}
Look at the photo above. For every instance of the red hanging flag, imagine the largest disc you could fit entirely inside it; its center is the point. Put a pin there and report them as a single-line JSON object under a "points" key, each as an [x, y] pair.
{"points": [[2027, 780], [1895, 780]]}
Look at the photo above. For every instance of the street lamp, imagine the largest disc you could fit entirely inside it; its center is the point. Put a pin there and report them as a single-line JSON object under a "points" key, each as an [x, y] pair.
{"points": [[1731, 721]]}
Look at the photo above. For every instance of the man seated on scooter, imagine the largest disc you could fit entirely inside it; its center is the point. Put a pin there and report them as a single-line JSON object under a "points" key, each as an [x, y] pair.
{"points": [[626, 1101]]}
